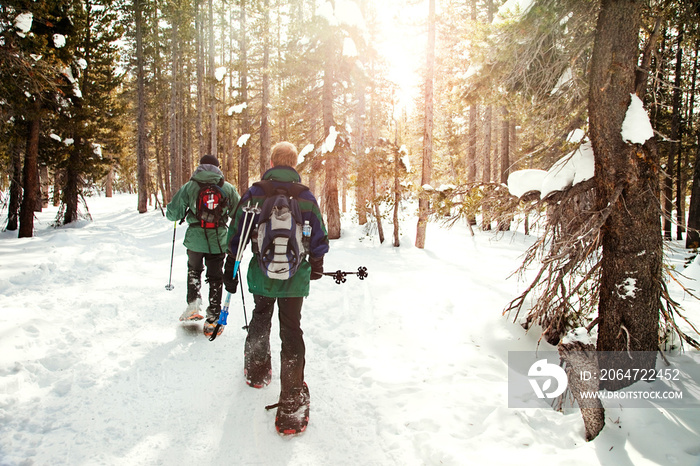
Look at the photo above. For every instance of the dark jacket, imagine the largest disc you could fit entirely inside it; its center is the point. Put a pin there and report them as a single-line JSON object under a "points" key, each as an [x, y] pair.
{"points": [[298, 285]]}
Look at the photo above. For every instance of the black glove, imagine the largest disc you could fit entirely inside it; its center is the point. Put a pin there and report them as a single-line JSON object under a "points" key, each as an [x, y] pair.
{"points": [[316, 267], [230, 282]]}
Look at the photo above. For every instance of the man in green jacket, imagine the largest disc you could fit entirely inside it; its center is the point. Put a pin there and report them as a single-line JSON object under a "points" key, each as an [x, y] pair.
{"points": [[205, 239], [288, 293]]}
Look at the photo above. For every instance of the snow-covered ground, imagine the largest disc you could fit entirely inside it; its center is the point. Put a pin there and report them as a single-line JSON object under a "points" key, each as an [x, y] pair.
{"points": [[407, 367]]}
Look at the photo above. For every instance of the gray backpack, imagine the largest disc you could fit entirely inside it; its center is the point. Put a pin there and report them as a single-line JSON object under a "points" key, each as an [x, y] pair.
{"points": [[278, 241]]}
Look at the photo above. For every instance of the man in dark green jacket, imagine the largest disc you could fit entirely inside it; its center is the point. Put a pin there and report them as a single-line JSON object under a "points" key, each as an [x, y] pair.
{"points": [[205, 242], [289, 295]]}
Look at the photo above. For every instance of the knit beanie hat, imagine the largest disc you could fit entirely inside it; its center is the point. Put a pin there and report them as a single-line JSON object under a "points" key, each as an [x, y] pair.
{"points": [[210, 160]]}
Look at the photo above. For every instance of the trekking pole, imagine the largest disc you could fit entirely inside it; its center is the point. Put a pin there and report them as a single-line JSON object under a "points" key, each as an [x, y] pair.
{"points": [[247, 227], [340, 275], [170, 286], [245, 315]]}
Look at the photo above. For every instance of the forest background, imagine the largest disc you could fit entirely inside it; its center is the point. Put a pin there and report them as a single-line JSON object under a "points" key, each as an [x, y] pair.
{"points": [[388, 102], [127, 95]]}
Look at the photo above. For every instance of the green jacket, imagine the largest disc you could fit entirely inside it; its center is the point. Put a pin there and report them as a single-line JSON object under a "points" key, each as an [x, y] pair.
{"points": [[184, 202], [298, 285]]}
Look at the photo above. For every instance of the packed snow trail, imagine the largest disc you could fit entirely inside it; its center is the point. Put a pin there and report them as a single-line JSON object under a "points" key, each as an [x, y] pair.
{"points": [[406, 367]]}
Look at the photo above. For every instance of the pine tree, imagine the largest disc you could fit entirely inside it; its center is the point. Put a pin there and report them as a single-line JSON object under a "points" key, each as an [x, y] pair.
{"points": [[32, 58], [141, 136], [92, 111], [424, 203], [627, 185], [265, 129]]}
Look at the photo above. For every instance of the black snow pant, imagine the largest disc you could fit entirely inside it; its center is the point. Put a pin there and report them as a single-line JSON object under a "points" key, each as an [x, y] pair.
{"points": [[215, 278], [257, 343]]}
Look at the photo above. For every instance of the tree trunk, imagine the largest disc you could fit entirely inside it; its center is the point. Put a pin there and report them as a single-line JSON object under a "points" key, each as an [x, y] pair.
{"points": [[488, 136], [471, 153], [692, 239], [45, 182], [673, 153], [199, 123], [30, 175], [71, 188], [496, 156], [645, 65], [245, 118], [397, 194], [265, 137], [677, 132], [486, 178], [224, 142], [627, 185], [109, 183], [343, 193], [505, 147], [504, 222], [331, 185], [15, 189], [212, 84], [175, 165], [581, 357], [231, 159], [57, 183], [141, 155], [377, 212], [423, 202], [473, 112], [186, 105], [160, 123], [471, 148], [162, 168], [361, 184]]}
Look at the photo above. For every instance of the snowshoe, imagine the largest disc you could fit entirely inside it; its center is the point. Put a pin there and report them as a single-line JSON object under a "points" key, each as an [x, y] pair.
{"points": [[209, 328], [192, 313], [293, 413], [258, 378]]}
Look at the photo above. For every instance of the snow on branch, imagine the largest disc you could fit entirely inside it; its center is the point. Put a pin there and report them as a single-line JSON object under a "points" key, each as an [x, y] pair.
{"points": [[23, 23], [243, 140], [574, 168], [237, 108]]}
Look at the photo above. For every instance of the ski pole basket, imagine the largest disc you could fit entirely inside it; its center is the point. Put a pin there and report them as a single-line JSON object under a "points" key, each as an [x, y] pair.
{"points": [[339, 275]]}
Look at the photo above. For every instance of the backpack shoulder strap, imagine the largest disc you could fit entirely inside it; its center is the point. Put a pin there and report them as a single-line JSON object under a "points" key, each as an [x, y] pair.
{"points": [[296, 189], [281, 187], [265, 185], [218, 186]]}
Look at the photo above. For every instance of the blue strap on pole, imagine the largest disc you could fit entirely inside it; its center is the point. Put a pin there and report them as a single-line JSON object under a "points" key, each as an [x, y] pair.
{"points": [[247, 226], [223, 315]]}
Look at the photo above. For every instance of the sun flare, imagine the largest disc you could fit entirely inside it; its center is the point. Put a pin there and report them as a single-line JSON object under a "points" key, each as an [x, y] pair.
{"points": [[402, 45]]}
